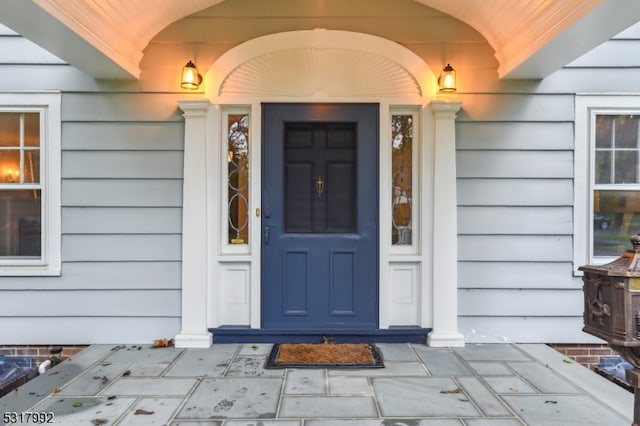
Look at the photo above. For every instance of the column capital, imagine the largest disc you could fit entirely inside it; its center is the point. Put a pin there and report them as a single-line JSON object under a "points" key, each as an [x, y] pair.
{"points": [[445, 107], [194, 107]]}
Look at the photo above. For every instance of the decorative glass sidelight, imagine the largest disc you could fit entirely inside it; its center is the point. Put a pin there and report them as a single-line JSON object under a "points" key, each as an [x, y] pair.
{"points": [[402, 178], [238, 178]]}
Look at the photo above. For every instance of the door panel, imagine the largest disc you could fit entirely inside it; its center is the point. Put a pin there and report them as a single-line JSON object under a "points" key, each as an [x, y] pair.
{"points": [[320, 241]]}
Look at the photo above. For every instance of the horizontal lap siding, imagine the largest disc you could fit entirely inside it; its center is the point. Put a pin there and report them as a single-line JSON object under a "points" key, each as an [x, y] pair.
{"points": [[70, 330], [551, 275], [515, 218], [515, 168], [524, 329], [522, 302], [87, 303], [122, 167]]}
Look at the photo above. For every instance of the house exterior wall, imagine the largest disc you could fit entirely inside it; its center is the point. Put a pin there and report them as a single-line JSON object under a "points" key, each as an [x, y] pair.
{"points": [[122, 168], [121, 211]]}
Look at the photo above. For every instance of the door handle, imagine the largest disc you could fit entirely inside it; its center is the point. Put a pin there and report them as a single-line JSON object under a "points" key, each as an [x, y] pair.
{"points": [[266, 235], [319, 185]]}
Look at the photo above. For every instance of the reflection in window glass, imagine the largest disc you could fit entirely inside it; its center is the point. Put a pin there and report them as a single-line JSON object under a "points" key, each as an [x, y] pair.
{"points": [[615, 217], [238, 178], [617, 150], [20, 223], [20, 148], [20, 190], [402, 172]]}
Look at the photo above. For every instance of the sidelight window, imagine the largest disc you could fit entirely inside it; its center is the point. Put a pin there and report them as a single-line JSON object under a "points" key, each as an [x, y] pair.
{"points": [[402, 161], [237, 128]]}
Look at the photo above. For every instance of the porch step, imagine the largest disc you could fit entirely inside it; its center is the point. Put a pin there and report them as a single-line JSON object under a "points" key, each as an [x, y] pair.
{"points": [[232, 334]]}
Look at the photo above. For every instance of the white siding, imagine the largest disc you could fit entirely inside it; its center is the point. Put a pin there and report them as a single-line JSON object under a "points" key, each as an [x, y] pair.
{"points": [[121, 216], [515, 143], [515, 197]]}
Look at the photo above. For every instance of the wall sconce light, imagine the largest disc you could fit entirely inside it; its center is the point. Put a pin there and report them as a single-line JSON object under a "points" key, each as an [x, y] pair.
{"points": [[191, 78], [447, 79]]}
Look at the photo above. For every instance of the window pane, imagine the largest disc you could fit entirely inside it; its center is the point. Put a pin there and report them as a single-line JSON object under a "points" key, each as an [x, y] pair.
{"points": [[626, 131], [20, 223], [603, 167], [615, 217], [32, 129], [626, 166], [238, 178], [603, 131], [9, 166], [9, 129], [402, 175], [32, 166]]}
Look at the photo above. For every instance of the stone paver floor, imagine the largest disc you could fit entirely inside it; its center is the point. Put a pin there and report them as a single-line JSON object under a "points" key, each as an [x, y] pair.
{"points": [[479, 385]]}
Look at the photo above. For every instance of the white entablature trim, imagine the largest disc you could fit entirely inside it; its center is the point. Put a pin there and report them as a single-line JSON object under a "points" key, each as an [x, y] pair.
{"points": [[320, 62]]}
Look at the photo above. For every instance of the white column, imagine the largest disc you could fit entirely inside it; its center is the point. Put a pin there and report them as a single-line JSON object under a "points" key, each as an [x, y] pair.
{"points": [[194, 333], [445, 228]]}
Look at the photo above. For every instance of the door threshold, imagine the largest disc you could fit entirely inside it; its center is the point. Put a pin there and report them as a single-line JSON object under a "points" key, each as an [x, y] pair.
{"points": [[234, 334]]}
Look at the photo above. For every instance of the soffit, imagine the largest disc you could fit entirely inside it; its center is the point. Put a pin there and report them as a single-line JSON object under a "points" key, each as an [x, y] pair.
{"points": [[531, 38]]}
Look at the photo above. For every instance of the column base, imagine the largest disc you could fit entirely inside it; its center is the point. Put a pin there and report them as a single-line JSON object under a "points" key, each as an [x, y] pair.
{"points": [[445, 340], [185, 340]]}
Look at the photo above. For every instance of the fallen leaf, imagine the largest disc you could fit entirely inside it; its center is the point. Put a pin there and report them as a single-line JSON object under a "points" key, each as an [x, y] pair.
{"points": [[111, 398], [567, 361], [162, 343], [99, 421], [126, 373], [255, 347], [514, 390], [550, 402], [143, 412], [105, 379], [76, 404], [55, 390], [456, 390]]}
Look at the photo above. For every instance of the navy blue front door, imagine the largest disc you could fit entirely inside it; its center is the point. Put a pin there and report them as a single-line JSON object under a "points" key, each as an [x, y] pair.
{"points": [[320, 217]]}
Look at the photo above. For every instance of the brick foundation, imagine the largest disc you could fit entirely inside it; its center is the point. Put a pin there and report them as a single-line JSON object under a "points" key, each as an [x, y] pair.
{"points": [[586, 354], [39, 352]]}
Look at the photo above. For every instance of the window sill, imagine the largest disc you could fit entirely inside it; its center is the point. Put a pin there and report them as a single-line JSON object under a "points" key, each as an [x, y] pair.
{"points": [[30, 271]]}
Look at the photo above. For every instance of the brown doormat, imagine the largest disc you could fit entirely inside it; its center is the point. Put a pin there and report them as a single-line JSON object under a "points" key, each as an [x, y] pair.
{"points": [[324, 355]]}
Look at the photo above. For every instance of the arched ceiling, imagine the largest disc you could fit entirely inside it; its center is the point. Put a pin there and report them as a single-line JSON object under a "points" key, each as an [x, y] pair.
{"points": [[531, 38]]}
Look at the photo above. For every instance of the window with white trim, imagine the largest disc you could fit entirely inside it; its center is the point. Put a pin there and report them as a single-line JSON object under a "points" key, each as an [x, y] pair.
{"points": [[607, 177], [30, 184]]}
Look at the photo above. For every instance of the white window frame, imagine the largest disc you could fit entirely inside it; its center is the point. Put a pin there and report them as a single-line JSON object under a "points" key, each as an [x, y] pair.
{"points": [[48, 105], [586, 109]]}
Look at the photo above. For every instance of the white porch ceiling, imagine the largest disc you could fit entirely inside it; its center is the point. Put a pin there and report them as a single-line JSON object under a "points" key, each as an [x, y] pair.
{"points": [[531, 38]]}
